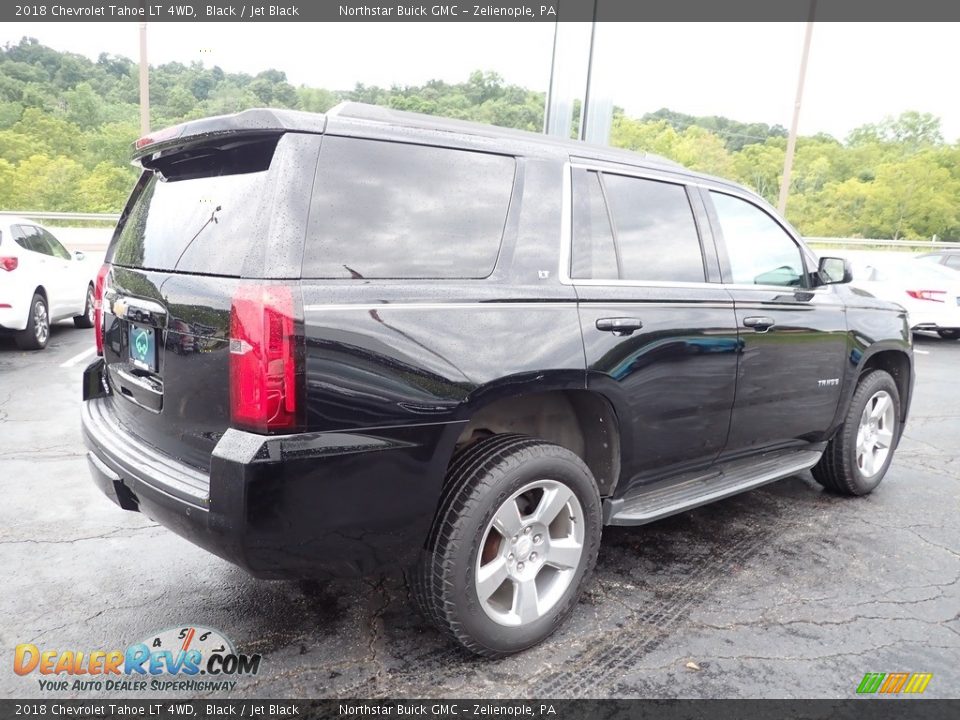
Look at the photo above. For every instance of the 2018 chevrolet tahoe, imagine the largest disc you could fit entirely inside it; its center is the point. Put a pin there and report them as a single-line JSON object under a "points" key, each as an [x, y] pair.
{"points": [[341, 343]]}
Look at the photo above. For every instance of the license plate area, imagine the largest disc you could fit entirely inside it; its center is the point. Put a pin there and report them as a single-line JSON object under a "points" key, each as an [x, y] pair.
{"points": [[142, 344]]}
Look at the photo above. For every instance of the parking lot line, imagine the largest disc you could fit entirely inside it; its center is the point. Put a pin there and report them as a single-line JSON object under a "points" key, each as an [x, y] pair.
{"points": [[78, 357]]}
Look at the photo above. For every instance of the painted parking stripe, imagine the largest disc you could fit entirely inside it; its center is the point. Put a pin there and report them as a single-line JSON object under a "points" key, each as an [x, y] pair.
{"points": [[78, 357]]}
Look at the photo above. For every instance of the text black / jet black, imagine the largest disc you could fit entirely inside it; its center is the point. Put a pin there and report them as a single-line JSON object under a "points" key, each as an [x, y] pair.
{"points": [[336, 344]]}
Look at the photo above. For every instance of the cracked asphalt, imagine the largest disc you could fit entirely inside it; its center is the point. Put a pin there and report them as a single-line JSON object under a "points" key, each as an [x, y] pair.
{"points": [[784, 592]]}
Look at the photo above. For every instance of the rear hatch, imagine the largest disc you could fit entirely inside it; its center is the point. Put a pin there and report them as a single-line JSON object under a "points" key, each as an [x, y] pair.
{"points": [[207, 250]]}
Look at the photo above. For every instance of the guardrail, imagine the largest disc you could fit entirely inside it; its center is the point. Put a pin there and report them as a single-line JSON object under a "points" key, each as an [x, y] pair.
{"points": [[829, 241], [44, 215], [922, 244]]}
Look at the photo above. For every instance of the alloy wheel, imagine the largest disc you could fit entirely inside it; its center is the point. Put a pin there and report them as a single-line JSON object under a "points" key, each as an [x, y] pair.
{"points": [[41, 324], [91, 312], [875, 433], [531, 550]]}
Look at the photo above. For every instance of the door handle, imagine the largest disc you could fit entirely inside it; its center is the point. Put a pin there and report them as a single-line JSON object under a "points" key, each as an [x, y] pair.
{"points": [[620, 325], [760, 323]]}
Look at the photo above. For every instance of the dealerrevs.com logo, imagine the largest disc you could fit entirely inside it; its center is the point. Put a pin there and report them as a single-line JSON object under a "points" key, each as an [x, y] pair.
{"points": [[190, 658]]}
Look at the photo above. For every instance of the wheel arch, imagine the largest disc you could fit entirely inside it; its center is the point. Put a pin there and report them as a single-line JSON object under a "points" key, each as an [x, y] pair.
{"points": [[554, 410], [893, 358]]}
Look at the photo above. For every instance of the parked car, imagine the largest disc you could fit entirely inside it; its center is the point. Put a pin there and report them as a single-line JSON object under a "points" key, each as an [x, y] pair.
{"points": [[947, 258], [929, 292], [464, 350], [41, 282]]}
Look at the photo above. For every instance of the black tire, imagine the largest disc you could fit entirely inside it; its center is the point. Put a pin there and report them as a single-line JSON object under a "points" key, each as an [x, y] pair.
{"points": [[951, 334], [29, 338], [482, 478], [85, 321], [838, 469]]}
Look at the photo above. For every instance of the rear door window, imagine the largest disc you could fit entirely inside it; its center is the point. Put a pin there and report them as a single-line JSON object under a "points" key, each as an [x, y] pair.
{"points": [[594, 252], [197, 213], [31, 239], [655, 230], [396, 210]]}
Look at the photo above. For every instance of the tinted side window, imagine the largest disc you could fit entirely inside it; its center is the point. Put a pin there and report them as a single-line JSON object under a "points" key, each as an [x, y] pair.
{"points": [[594, 254], [33, 240], [655, 230], [953, 261], [56, 248], [393, 210], [760, 251], [20, 236]]}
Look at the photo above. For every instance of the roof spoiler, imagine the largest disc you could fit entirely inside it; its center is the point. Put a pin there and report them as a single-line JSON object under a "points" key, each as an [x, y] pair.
{"points": [[259, 121]]}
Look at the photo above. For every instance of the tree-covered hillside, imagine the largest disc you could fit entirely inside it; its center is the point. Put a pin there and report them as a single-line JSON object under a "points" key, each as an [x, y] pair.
{"points": [[66, 125]]}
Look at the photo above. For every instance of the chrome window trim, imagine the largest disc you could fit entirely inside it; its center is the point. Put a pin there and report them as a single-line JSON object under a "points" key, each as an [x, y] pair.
{"points": [[492, 305], [566, 231]]}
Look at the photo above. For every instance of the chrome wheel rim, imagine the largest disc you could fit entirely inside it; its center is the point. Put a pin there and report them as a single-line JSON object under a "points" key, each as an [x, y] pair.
{"points": [[875, 433], [41, 327], [90, 310], [530, 553]]}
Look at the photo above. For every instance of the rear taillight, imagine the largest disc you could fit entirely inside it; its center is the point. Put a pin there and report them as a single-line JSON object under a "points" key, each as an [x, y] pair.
{"points": [[928, 295], [9, 263], [98, 305], [264, 358]]}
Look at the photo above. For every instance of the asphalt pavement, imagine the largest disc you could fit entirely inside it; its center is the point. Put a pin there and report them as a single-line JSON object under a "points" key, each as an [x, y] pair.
{"points": [[786, 591]]}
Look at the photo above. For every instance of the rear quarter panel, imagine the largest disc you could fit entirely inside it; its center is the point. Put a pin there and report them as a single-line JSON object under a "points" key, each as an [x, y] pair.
{"points": [[422, 356]]}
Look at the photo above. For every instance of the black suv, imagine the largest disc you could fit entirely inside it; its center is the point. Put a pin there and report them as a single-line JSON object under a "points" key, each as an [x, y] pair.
{"points": [[343, 343]]}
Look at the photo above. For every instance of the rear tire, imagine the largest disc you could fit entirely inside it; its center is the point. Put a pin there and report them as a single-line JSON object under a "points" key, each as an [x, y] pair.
{"points": [[85, 321], [858, 456], [513, 543], [37, 333], [951, 334]]}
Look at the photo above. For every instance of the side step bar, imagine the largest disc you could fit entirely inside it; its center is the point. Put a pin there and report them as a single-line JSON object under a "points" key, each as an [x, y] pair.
{"points": [[668, 497]]}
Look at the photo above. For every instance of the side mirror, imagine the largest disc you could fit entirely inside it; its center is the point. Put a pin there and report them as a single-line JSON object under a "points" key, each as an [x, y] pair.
{"points": [[78, 255], [834, 270]]}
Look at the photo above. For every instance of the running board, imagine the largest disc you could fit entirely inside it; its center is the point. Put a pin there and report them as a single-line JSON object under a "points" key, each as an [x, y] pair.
{"points": [[668, 497]]}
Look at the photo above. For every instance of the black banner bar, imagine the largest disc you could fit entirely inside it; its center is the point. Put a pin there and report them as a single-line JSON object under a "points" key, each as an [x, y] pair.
{"points": [[486, 11], [894, 708]]}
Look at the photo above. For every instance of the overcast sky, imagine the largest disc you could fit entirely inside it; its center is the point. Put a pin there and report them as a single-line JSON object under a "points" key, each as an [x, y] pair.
{"points": [[858, 72]]}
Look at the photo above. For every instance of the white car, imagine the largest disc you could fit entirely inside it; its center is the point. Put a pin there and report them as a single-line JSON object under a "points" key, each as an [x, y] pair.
{"points": [[930, 293], [41, 282]]}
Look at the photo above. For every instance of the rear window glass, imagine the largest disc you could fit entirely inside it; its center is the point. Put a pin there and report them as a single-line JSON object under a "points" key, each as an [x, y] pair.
{"points": [[197, 213], [393, 210]]}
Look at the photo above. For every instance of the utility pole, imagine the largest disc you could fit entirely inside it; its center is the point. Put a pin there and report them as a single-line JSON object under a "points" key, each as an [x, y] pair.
{"points": [[144, 83], [792, 138]]}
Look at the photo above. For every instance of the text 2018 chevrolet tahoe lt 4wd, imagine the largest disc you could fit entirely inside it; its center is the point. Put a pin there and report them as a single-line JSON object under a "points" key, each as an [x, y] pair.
{"points": [[371, 339]]}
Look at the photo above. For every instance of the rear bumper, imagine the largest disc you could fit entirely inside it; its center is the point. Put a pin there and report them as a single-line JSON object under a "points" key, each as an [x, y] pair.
{"points": [[945, 318], [306, 505], [14, 317]]}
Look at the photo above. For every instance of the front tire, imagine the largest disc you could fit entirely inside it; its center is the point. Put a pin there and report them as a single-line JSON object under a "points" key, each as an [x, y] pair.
{"points": [[37, 333], [513, 543], [85, 321], [951, 334], [858, 456]]}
